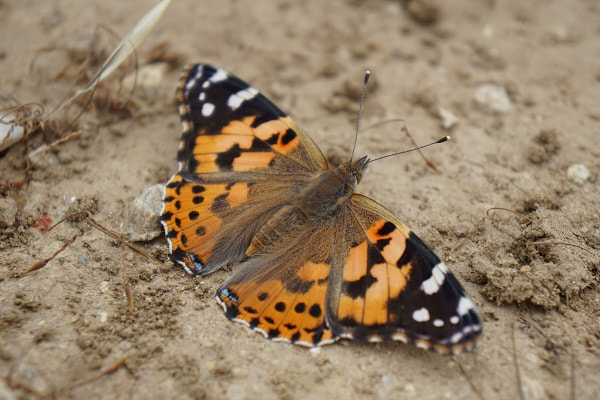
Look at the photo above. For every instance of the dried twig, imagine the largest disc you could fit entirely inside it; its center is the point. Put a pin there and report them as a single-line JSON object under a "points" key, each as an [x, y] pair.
{"points": [[126, 285], [110, 370], [42, 263]]}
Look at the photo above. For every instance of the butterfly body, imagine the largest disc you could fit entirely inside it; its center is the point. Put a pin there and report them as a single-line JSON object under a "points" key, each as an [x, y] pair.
{"points": [[314, 261]]}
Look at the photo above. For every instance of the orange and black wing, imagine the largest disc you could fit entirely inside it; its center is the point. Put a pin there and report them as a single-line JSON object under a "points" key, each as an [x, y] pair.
{"points": [[389, 285], [240, 159], [281, 292]]}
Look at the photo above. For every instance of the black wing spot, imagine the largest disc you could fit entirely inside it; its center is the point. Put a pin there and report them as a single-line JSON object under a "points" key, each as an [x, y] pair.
{"points": [[183, 239], [225, 159], [374, 256], [273, 333], [193, 215], [269, 320], [250, 310], [166, 216], [178, 204], [197, 199], [315, 310], [300, 308], [280, 306], [178, 222], [381, 243], [232, 312], [263, 296], [200, 231], [386, 229], [198, 189], [288, 137], [317, 337], [273, 139], [359, 288]]}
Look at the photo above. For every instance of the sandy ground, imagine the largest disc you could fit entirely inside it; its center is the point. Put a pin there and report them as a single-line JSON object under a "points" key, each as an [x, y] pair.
{"points": [[521, 78]]}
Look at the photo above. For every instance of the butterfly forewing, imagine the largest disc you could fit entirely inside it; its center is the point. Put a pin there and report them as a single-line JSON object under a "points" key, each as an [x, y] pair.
{"points": [[240, 158], [228, 126]]}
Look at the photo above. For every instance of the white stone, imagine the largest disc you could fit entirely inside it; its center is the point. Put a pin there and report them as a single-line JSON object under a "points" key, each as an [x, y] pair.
{"points": [[493, 97], [578, 174], [8, 212], [10, 133], [142, 222], [447, 117]]}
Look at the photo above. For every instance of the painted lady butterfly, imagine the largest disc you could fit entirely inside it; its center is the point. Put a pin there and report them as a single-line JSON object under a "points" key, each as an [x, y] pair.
{"points": [[317, 262]]}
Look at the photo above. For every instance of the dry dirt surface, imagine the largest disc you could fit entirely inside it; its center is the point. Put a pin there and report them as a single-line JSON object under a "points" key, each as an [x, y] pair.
{"points": [[517, 86]]}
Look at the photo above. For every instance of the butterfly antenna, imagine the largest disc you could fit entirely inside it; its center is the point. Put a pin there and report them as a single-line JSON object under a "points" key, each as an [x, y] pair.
{"points": [[360, 107], [442, 140]]}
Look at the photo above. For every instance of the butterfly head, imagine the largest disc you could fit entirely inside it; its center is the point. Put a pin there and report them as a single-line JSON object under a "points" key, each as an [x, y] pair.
{"points": [[351, 173]]}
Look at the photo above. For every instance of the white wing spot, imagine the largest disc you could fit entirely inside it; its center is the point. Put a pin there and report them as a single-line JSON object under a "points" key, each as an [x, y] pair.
{"points": [[438, 276], [464, 306], [438, 323], [219, 75], [454, 320], [236, 99], [456, 337], [207, 109], [421, 315], [192, 82], [202, 96]]}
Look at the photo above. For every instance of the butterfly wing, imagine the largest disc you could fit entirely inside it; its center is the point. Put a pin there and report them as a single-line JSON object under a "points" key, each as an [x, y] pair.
{"points": [[240, 159], [281, 292], [386, 284]]}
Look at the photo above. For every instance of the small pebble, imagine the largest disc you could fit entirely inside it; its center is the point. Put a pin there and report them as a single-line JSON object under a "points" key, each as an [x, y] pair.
{"points": [[9, 133], [448, 119], [578, 174], [8, 212], [142, 222], [493, 97]]}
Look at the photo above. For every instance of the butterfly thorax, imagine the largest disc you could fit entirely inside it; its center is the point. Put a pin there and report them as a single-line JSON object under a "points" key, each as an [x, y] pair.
{"points": [[330, 190], [322, 199]]}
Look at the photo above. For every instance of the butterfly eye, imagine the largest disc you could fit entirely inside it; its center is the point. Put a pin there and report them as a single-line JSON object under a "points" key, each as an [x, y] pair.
{"points": [[358, 177]]}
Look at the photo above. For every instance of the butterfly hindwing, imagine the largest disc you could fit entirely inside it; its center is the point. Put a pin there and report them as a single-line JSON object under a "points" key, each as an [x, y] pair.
{"points": [[393, 287], [239, 159], [281, 291]]}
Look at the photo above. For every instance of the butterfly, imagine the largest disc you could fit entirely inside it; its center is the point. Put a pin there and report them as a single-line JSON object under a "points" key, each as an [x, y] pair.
{"points": [[314, 261]]}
